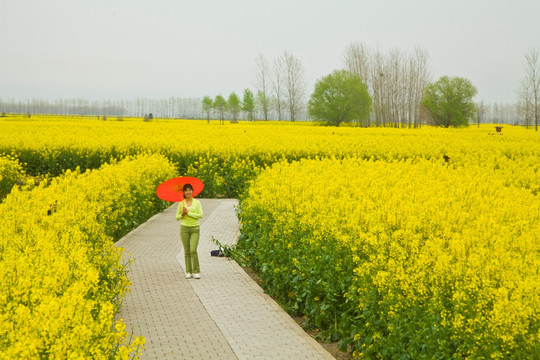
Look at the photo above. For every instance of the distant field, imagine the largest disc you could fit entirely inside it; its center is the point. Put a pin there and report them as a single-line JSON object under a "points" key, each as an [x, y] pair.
{"points": [[52, 145]]}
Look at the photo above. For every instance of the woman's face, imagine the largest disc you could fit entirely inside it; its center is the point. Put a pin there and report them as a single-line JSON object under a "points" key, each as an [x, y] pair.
{"points": [[188, 193]]}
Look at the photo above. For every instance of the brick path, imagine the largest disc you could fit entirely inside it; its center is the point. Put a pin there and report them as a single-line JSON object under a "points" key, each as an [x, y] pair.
{"points": [[224, 315]]}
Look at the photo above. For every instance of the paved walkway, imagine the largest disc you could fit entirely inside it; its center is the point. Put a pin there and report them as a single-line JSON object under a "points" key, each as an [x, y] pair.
{"points": [[224, 315]]}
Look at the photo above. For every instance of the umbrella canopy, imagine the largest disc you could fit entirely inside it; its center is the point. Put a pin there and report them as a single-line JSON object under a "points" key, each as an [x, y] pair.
{"points": [[171, 190]]}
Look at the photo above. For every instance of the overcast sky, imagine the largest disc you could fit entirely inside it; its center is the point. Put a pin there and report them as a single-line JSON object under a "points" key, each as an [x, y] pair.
{"points": [[122, 49]]}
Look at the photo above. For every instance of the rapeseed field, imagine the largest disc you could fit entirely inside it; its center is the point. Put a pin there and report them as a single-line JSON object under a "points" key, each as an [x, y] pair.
{"points": [[399, 243]]}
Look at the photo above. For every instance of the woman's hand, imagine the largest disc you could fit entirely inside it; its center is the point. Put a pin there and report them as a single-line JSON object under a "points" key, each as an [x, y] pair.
{"points": [[184, 210]]}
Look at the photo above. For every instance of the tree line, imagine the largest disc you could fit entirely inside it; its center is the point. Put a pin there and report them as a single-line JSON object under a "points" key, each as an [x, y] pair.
{"points": [[172, 107], [395, 80], [280, 93], [398, 83]]}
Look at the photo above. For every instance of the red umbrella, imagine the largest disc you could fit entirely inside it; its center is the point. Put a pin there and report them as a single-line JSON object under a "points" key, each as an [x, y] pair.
{"points": [[171, 190]]}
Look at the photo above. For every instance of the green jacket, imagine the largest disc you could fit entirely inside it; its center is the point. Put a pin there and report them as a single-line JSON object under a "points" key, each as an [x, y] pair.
{"points": [[194, 213]]}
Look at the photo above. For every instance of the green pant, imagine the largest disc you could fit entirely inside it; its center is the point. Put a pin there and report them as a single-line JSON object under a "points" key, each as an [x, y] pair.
{"points": [[190, 240]]}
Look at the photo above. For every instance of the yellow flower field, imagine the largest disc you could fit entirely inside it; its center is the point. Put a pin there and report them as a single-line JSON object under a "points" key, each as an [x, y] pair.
{"points": [[10, 172], [49, 145], [375, 236], [408, 258], [62, 279]]}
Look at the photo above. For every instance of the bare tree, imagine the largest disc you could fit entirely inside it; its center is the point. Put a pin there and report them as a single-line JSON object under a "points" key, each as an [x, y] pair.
{"points": [[481, 112], [138, 107], [295, 89], [499, 113], [395, 81], [263, 85], [379, 86], [396, 90], [278, 86], [530, 88], [357, 60], [525, 104], [419, 77]]}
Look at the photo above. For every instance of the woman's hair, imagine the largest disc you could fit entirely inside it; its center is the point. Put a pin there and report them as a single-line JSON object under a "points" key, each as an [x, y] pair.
{"points": [[187, 186]]}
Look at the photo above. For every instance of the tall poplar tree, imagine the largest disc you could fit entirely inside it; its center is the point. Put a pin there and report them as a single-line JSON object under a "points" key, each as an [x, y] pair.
{"points": [[233, 105], [220, 105], [207, 105], [248, 104], [530, 88]]}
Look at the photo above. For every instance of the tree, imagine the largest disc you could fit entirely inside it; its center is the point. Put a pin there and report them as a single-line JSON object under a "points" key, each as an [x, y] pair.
{"points": [[263, 75], [278, 86], [481, 112], [417, 80], [248, 103], [340, 97], [395, 81], [295, 90], [233, 104], [220, 105], [207, 105], [530, 88], [449, 102], [263, 102]]}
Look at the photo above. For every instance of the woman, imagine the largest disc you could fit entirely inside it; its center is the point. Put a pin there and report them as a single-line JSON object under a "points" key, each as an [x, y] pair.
{"points": [[190, 211]]}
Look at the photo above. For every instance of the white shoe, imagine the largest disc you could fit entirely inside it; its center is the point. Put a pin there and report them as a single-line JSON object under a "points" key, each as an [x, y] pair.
{"points": [[188, 276], [197, 276]]}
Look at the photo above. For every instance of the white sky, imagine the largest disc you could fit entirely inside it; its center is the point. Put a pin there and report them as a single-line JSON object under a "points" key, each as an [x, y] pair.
{"points": [[122, 49]]}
